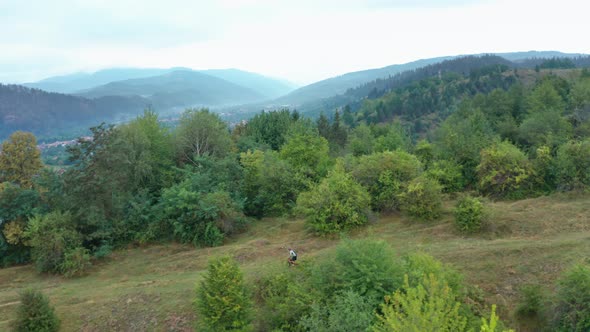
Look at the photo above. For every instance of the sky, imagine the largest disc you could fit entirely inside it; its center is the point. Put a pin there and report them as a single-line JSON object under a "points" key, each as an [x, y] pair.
{"points": [[302, 41]]}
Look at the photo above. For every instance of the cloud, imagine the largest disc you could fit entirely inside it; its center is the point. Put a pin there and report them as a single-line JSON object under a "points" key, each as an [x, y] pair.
{"points": [[303, 40]]}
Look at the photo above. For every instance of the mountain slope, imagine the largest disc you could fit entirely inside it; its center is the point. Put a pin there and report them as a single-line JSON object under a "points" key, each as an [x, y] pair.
{"points": [[49, 114], [265, 86], [181, 88], [339, 84]]}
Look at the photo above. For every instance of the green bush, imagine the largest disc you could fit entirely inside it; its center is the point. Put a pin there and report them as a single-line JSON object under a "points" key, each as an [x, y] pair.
{"points": [[531, 301], [51, 237], [385, 175], [504, 172], [469, 214], [35, 313], [367, 267], [283, 299], [572, 311], [448, 174], [222, 301], [76, 262], [337, 204], [573, 165], [417, 266], [347, 312], [422, 199], [493, 325], [430, 306]]}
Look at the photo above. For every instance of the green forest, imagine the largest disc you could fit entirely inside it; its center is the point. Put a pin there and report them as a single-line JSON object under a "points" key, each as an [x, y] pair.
{"points": [[444, 147]]}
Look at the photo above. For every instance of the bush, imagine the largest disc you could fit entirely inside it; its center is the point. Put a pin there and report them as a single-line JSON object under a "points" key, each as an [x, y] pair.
{"points": [[347, 312], [337, 204], [504, 172], [469, 214], [493, 325], [531, 301], [422, 199], [284, 298], [572, 312], [367, 267], [430, 306], [51, 237], [222, 299], [448, 174], [76, 262], [35, 313], [573, 165], [385, 175], [418, 266]]}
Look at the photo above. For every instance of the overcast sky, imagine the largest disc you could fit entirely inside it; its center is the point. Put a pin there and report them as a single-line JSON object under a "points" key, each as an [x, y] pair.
{"points": [[299, 40]]}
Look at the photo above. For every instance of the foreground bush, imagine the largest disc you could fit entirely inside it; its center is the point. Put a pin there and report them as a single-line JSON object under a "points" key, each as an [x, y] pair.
{"points": [[469, 214], [35, 313], [368, 267], [223, 302], [572, 312], [347, 312], [430, 306], [337, 204]]}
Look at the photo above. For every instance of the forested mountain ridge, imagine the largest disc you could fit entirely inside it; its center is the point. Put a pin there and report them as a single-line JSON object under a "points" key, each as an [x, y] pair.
{"points": [[46, 113]]}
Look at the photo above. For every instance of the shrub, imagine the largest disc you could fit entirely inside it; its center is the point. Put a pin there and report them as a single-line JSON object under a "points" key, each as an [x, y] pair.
{"points": [[422, 199], [531, 301], [573, 165], [51, 237], [35, 313], [504, 171], [572, 312], [284, 298], [430, 306], [385, 175], [448, 174], [337, 204], [367, 267], [469, 214], [76, 262], [222, 299], [418, 266], [493, 324], [347, 312]]}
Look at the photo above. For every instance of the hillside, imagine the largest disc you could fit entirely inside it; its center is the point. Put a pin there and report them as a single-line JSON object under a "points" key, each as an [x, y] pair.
{"points": [[268, 87], [50, 114], [152, 288]]}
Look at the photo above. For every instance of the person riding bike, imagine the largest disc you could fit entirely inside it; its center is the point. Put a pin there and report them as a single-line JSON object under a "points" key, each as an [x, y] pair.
{"points": [[292, 257]]}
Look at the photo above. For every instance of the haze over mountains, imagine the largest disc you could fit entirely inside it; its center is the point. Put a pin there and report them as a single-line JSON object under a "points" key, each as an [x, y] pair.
{"points": [[117, 94]]}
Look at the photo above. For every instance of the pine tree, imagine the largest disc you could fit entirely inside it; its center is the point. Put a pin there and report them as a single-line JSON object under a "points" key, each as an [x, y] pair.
{"points": [[222, 298], [35, 313]]}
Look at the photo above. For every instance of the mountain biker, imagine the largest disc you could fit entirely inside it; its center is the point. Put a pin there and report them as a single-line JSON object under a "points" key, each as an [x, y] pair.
{"points": [[292, 257]]}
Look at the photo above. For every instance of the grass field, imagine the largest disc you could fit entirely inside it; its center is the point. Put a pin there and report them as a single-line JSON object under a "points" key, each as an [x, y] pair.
{"points": [[151, 288]]}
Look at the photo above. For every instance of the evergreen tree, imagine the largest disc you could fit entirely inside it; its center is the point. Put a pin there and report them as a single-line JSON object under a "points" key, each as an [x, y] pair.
{"points": [[35, 313], [222, 299]]}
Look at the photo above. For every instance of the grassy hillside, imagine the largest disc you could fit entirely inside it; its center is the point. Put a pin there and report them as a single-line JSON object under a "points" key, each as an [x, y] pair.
{"points": [[152, 288]]}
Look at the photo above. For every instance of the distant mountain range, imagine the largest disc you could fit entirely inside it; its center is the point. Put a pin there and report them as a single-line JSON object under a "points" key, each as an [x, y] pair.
{"points": [[82, 83], [117, 94]]}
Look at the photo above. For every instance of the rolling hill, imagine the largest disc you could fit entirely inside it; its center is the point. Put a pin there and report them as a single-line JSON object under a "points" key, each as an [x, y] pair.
{"points": [[180, 88]]}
